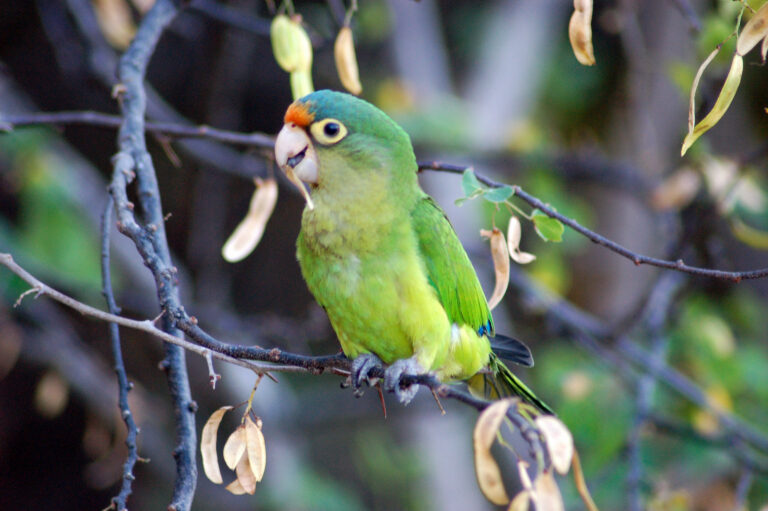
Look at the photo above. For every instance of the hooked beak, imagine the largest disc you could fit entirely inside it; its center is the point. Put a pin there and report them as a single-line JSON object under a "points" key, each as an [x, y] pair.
{"points": [[296, 157], [294, 152]]}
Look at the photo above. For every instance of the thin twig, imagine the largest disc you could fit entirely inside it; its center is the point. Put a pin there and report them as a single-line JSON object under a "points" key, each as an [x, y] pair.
{"points": [[124, 386], [638, 259], [142, 325], [168, 129]]}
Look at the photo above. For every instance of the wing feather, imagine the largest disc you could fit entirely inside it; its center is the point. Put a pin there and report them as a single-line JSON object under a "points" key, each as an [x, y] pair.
{"points": [[448, 268]]}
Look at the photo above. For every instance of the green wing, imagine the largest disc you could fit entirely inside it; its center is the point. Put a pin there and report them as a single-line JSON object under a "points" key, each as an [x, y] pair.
{"points": [[448, 268]]}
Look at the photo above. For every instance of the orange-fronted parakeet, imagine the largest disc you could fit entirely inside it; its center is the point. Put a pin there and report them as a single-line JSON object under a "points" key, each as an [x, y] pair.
{"points": [[380, 256]]}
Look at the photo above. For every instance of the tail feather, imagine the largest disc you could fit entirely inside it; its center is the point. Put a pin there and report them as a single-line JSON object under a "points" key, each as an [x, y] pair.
{"points": [[500, 382]]}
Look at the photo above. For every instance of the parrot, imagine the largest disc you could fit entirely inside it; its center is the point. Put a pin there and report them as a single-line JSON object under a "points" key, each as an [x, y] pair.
{"points": [[381, 257]]}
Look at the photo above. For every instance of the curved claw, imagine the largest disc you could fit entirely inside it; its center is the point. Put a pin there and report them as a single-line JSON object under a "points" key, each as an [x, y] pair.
{"points": [[361, 369], [395, 372]]}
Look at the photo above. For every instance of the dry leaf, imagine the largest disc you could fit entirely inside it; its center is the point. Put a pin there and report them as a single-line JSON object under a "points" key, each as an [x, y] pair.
{"points": [[514, 234], [558, 440], [346, 61], [487, 470], [755, 30], [208, 445], [724, 99], [257, 450], [51, 395], [500, 264], [234, 449], [677, 190], [546, 494], [250, 230], [695, 86], [116, 22], [580, 32]]}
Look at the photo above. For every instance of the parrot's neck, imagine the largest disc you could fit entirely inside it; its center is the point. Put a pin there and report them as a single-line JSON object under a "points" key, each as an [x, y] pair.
{"points": [[357, 210]]}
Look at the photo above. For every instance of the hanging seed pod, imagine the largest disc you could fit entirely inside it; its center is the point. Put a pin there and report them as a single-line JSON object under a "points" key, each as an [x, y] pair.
{"points": [[301, 83], [290, 44], [580, 32], [346, 61]]}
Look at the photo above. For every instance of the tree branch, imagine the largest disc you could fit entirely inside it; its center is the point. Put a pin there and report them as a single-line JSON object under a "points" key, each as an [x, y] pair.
{"points": [[262, 141], [132, 147], [124, 386], [638, 259]]}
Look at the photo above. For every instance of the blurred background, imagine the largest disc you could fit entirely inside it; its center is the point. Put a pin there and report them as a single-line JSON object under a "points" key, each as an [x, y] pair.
{"points": [[493, 85]]}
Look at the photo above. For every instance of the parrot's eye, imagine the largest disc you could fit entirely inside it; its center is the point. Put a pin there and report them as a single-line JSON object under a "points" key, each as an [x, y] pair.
{"points": [[328, 131]]}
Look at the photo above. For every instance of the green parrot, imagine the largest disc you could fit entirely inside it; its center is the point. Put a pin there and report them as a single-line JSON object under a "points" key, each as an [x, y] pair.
{"points": [[382, 259]]}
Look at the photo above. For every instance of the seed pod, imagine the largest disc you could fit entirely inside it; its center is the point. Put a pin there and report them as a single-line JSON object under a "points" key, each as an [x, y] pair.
{"points": [[301, 83], [753, 32], [346, 61], [580, 32], [290, 44]]}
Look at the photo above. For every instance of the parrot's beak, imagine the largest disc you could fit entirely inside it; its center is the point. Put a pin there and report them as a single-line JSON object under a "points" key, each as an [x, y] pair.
{"points": [[294, 153], [296, 157]]}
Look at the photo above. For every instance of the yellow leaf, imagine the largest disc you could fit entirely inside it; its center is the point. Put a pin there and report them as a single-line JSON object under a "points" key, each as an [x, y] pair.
{"points": [[580, 32], [724, 99], [755, 30], [250, 230], [301, 83], [487, 470], [695, 86], [514, 234], [257, 450], [208, 445], [558, 440], [546, 494], [51, 395], [346, 61], [234, 449], [500, 264]]}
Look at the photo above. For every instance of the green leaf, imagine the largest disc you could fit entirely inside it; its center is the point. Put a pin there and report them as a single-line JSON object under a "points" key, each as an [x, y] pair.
{"points": [[469, 182], [500, 194], [549, 229]]}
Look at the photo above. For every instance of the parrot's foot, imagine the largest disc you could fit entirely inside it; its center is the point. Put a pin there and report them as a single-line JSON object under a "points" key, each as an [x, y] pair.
{"points": [[361, 371], [395, 372]]}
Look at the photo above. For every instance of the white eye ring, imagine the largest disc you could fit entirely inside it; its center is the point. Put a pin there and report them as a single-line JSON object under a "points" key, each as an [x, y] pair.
{"points": [[328, 131]]}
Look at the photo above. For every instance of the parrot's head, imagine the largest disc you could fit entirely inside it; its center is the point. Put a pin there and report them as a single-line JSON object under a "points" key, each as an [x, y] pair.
{"points": [[328, 132]]}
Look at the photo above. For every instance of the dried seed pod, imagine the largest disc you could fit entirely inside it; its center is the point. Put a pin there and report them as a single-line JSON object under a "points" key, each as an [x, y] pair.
{"points": [[346, 61], [753, 32], [290, 44], [558, 440], [248, 233], [514, 234], [487, 470], [580, 32], [208, 445], [500, 264]]}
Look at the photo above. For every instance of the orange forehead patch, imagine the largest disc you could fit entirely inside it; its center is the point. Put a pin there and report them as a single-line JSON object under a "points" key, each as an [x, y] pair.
{"points": [[299, 114]]}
